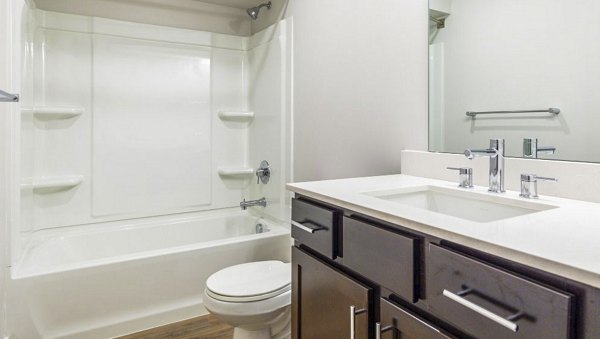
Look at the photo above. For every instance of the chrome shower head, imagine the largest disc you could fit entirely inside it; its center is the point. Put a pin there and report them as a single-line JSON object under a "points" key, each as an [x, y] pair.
{"points": [[253, 12]]}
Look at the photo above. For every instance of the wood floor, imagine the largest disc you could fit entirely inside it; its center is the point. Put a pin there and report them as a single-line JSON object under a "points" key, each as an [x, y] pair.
{"points": [[205, 327]]}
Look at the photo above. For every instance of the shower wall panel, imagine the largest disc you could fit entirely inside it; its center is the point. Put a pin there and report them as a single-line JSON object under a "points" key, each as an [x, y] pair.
{"points": [[61, 146], [270, 60], [145, 138], [151, 126]]}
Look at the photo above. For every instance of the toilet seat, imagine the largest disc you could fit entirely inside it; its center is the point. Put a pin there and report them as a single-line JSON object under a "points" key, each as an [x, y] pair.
{"points": [[250, 281], [257, 297]]}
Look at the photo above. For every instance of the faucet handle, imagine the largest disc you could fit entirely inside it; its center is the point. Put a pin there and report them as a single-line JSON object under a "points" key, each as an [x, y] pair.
{"points": [[465, 176], [529, 185], [532, 150], [263, 173]]}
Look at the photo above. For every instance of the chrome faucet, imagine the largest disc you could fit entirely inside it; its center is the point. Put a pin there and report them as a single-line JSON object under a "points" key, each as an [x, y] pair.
{"points": [[465, 176], [496, 154], [529, 185], [259, 202], [532, 150]]}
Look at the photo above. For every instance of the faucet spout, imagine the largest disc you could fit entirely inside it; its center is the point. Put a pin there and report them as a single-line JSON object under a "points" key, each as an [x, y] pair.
{"points": [[472, 153], [496, 155], [259, 202]]}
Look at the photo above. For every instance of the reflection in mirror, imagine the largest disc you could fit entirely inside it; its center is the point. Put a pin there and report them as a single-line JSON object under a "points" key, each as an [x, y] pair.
{"points": [[532, 65]]}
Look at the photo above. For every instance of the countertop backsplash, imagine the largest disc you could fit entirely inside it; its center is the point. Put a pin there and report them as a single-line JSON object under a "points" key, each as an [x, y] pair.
{"points": [[576, 180]]}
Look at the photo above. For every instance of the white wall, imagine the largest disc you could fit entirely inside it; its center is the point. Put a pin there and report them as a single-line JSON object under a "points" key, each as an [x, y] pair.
{"points": [[513, 54], [360, 85]]}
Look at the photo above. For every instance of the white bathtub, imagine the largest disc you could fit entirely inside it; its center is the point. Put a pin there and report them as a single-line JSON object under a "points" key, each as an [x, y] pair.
{"points": [[108, 280]]}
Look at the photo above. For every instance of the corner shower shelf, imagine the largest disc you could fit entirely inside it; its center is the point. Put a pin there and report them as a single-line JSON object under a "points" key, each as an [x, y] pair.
{"points": [[54, 112], [53, 184], [236, 115], [235, 171]]}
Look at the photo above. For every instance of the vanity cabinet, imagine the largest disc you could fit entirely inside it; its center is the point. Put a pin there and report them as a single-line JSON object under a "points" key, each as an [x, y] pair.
{"points": [[326, 303], [402, 283]]}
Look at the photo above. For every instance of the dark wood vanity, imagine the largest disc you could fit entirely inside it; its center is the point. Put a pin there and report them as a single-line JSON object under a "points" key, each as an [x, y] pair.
{"points": [[354, 276]]}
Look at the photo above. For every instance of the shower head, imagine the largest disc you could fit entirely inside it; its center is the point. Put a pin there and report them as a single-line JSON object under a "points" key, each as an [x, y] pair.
{"points": [[253, 12]]}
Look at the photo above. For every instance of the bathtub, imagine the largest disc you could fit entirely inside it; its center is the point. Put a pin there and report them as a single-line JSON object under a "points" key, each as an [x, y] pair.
{"points": [[107, 280]]}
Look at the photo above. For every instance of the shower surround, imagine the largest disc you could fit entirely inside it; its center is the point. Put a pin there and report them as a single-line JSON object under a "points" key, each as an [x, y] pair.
{"points": [[127, 129]]}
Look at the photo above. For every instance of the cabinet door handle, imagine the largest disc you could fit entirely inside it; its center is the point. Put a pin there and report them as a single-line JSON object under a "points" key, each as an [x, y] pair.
{"points": [[379, 330], [353, 313], [482, 311], [308, 226]]}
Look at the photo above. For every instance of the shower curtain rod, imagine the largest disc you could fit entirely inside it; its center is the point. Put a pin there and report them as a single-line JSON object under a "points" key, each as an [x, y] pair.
{"points": [[551, 110]]}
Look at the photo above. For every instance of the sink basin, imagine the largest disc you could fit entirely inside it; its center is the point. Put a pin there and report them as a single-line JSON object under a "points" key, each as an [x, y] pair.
{"points": [[464, 204]]}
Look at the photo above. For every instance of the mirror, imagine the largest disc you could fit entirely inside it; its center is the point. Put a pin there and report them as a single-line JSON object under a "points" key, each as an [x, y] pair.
{"points": [[535, 64]]}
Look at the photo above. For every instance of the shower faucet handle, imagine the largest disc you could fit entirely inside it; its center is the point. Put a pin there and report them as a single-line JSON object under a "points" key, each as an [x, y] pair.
{"points": [[263, 173], [531, 149]]}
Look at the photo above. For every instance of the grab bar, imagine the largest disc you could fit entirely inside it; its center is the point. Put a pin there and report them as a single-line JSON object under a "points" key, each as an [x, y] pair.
{"points": [[550, 110], [7, 97]]}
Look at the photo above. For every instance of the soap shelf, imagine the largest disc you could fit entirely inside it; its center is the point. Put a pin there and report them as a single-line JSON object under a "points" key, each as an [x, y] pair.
{"points": [[54, 112], [53, 184], [235, 171], [236, 115]]}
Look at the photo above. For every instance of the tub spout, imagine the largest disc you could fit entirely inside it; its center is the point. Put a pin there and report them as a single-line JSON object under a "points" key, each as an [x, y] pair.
{"points": [[260, 202]]}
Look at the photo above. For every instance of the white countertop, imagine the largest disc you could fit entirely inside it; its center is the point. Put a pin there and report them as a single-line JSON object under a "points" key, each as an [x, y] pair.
{"points": [[564, 241]]}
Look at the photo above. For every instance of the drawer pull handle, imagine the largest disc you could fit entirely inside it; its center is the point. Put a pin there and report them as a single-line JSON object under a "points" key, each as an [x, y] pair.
{"points": [[480, 310], [379, 330], [353, 313], [308, 226]]}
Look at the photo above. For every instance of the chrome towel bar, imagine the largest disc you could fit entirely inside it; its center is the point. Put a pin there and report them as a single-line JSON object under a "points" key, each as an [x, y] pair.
{"points": [[550, 110], [7, 97]]}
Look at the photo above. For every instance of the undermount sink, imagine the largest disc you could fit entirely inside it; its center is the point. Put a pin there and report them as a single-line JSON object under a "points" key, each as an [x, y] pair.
{"points": [[464, 204]]}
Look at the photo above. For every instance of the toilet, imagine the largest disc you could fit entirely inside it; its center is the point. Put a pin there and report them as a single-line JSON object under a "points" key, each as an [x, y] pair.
{"points": [[253, 297]]}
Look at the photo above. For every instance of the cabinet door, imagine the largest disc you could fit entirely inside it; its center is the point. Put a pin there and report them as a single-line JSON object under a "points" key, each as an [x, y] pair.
{"points": [[322, 300], [397, 322]]}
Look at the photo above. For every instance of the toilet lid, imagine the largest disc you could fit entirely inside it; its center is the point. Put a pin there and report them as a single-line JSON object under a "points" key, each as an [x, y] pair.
{"points": [[250, 280]]}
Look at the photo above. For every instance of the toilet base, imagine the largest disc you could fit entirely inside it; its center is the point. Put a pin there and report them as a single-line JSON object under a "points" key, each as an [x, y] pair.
{"points": [[240, 333], [278, 328]]}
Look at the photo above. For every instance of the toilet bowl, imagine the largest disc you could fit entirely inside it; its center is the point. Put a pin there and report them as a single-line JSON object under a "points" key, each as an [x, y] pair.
{"points": [[254, 298]]}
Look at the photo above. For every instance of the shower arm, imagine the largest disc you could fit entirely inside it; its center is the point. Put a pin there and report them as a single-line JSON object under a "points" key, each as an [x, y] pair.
{"points": [[266, 4], [253, 12]]}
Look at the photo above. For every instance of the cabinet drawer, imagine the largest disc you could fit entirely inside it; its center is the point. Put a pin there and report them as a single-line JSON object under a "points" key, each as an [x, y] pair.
{"points": [[315, 226], [488, 302], [397, 322], [385, 257]]}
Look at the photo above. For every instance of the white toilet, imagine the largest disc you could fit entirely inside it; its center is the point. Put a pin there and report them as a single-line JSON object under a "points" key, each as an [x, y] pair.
{"points": [[254, 298]]}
